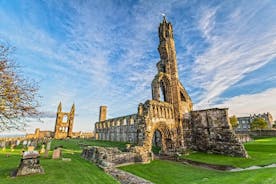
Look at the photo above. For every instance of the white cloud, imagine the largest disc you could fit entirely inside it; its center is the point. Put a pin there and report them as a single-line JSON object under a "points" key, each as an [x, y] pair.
{"points": [[238, 44], [253, 103]]}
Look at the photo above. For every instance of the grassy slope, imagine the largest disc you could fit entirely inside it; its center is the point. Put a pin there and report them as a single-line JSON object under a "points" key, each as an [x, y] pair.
{"points": [[166, 172], [261, 152], [77, 170]]}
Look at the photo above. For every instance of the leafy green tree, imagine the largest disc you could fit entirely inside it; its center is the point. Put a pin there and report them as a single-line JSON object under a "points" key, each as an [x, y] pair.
{"points": [[258, 124], [274, 124], [234, 121]]}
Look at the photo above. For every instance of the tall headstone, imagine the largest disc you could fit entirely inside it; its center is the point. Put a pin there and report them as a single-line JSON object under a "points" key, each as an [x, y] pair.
{"points": [[48, 146]]}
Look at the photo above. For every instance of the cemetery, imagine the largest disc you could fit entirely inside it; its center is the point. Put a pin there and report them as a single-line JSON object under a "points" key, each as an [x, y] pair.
{"points": [[62, 160]]}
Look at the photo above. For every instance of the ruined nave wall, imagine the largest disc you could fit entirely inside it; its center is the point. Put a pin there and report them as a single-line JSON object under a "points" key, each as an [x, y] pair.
{"points": [[123, 129], [211, 132]]}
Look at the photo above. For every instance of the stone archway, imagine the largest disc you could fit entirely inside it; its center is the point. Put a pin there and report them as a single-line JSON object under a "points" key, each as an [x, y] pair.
{"points": [[161, 135], [156, 142]]}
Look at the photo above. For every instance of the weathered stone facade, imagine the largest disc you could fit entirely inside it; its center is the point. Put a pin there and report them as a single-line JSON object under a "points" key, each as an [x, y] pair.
{"points": [[211, 132], [170, 113], [123, 129], [64, 123]]}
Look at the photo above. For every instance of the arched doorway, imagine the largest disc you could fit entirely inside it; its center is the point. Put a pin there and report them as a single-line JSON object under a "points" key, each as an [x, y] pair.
{"points": [[156, 142]]}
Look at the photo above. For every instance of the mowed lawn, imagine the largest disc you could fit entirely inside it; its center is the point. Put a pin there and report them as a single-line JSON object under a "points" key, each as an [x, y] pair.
{"points": [[75, 171], [167, 172], [261, 151], [78, 170]]}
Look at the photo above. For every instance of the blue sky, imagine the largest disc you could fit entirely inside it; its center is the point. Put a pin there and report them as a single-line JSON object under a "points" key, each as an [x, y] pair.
{"points": [[104, 52]]}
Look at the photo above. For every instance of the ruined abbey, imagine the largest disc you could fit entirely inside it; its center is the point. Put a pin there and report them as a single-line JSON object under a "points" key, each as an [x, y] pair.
{"points": [[64, 123], [168, 119]]}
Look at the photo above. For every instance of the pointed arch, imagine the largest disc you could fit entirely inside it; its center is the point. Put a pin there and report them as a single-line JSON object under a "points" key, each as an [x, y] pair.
{"points": [[161, 88]]}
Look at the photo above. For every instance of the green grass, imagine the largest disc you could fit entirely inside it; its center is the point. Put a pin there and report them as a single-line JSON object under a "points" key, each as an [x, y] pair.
{"points": [[167, 172], [261, 152], [78, 144], [77, 170]]}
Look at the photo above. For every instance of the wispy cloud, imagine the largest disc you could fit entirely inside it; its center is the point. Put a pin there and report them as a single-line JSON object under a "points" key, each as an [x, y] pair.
{"points": [[238, 45], [105, 52], [244, 105]]}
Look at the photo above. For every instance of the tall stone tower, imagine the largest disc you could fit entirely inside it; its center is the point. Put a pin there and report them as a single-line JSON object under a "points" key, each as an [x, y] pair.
{"points": [[64, 123], [166, 85]]}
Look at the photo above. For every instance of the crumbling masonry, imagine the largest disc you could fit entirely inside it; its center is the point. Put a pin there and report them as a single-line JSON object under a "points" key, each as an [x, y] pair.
{"points": [[64, 123], [170, 116]]}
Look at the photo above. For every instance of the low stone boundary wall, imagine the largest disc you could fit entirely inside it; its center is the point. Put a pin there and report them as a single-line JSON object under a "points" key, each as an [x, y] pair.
{"points": [[259, 133], [244, 138], [125, 177], [109, 158], [8, 142]]}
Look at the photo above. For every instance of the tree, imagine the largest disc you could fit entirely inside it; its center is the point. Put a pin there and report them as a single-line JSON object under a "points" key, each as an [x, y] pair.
{"points": [[274, 124], [258, 124], [234, 121], [18, 95]]}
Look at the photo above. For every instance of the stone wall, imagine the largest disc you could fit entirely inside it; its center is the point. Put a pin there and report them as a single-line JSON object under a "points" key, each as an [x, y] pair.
{"points": [[263, 133], [109, 157], [123, 129], [244, 137], [24, 141], [212, 133]]}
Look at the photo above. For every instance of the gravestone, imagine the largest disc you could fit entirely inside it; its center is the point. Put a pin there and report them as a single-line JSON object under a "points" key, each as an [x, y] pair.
{"points": [[3, 144], [29, 164], [42, 150], [56, 153], [17, 142], [24, 143], [4, 148], [48, 146], [30, 148], [12, 147], [46, 154]]}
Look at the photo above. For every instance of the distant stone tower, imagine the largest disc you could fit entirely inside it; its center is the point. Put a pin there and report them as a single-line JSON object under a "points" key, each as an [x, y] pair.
{"points": [[64, 123], [166, 85], [103, 112]]}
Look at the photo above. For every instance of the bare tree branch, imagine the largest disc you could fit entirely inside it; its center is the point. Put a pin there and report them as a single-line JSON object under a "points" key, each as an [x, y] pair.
{"points": [[18, 96]]}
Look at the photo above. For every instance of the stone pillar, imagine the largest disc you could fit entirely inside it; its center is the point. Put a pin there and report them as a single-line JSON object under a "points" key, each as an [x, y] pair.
{"points": [[103, 112]]}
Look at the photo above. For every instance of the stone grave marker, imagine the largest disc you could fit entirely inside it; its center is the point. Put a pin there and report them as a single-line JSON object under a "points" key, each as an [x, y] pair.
{"points": [[42, 150], [3, 144], [48, 146], [12, 147], [46, 154], [56, 153], [24, 143], [29, 164], [17, 142], [30, 148]]}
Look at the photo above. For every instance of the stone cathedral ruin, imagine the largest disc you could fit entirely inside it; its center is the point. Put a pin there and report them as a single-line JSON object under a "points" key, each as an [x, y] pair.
{"points": [[168, 119]]}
